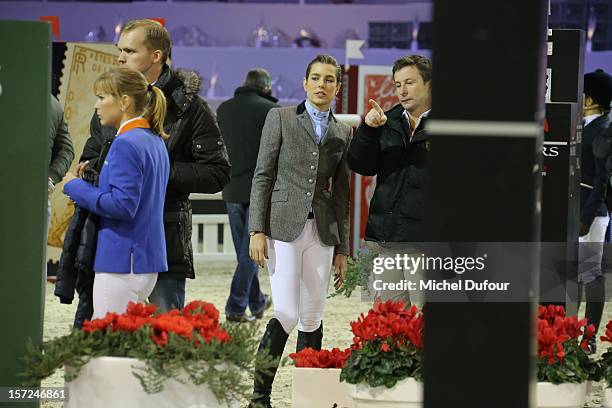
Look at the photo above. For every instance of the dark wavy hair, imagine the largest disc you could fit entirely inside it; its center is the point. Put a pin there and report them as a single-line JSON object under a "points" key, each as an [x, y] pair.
{"points": [[423, 64]]}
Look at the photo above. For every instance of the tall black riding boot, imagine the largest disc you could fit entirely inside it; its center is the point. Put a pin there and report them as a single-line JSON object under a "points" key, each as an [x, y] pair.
{"points": [[274, 340], [313, 339], [595, 302]]}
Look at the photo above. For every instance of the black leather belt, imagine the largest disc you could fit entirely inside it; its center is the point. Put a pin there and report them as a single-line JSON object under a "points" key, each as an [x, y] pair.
{"points": [[310, 215]]}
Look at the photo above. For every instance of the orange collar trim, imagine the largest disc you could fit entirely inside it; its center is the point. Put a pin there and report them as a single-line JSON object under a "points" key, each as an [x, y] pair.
{"points": [[134, 124]]}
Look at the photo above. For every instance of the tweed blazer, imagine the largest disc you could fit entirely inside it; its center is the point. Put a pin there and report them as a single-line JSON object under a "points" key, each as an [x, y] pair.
{"points": [[294, 174]]}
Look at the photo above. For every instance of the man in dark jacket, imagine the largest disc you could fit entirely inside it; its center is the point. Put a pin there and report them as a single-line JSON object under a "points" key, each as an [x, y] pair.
{"points": [[241, 120], [198, 159], [594, 216], [61, 151], [393, 147]]}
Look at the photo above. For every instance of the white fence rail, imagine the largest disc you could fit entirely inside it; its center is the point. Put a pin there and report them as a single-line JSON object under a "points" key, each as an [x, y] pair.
{"points": [[211, 238]]}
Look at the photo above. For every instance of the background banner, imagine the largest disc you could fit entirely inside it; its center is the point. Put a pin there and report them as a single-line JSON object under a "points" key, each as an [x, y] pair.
{"points": [[83, 64]]}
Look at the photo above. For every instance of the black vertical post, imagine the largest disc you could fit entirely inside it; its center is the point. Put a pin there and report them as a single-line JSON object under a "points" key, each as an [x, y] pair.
{"points": [[561, 172], [485, 185], [560, 206]]}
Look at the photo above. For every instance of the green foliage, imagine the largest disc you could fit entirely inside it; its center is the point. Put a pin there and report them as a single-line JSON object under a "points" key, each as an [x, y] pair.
{"points": [[358, 273], [605, 364], [372, 366], [576, 367]]}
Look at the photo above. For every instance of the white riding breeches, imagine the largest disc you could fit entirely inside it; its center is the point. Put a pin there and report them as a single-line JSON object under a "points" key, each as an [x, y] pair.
{"points": [[299, 275], [113, 291], [590, 250]]}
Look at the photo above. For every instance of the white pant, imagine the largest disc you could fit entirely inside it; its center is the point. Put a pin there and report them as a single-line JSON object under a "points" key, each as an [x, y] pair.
{"points": [[299, 275], [113, 291], [590, 250]]}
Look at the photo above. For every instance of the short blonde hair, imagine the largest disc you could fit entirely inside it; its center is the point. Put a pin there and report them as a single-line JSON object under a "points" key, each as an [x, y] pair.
{"points": [[156, 36]]}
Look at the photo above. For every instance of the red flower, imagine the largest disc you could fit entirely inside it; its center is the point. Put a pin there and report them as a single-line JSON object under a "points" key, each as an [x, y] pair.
{"points": [[389, 320], [141, 309], [130, 323], [555, 329], [100, 324], [309, 357], [161, 339], [550, 312], [608, 335], [584, 344], [215, 334], [589, 332], [197, 317], [198, 307], [385, 347], [176, 324], [201, 317]]}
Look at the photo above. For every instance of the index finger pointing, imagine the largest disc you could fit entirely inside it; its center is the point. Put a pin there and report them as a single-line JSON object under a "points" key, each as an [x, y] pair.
{"points": [[376, 106]]}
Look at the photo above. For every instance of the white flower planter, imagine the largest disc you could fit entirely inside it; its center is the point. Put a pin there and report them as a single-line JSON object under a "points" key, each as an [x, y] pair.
{"points": [[108, 382], [607, 398], [407, 393], [568, 395], [590, 387], [319, 387]]}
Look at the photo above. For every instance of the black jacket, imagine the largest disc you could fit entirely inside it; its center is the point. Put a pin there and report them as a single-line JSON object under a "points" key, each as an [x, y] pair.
{"points": [[61, 150], [75, 269], [602, 149], [241, 120], [198, 160], [593, 172], [399, 163]]}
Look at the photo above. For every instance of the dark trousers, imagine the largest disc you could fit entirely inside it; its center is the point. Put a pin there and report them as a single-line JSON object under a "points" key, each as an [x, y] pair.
{"points": [[245, 290]]}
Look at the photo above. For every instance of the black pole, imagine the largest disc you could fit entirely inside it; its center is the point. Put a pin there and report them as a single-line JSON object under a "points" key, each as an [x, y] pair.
{"points": [[488, 107]]}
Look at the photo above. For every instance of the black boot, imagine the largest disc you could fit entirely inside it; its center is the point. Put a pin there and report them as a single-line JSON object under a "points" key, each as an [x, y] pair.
{"points": [[595, 302], [312, 340], [274, 340]]}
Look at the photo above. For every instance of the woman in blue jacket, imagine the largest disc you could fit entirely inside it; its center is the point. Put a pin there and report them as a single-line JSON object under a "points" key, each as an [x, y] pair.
{"points": [[131, 246]]}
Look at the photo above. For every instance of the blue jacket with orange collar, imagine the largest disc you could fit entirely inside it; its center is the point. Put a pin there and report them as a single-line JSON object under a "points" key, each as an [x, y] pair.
{"points": [[130, 202]]}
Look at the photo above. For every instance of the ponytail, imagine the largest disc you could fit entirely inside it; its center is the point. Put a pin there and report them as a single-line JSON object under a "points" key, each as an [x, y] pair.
{"points": [[156, 111], [148, 100]]}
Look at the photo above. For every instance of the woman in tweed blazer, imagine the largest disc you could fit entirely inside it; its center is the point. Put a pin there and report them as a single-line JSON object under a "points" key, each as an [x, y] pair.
{"points": [[299, 220]]}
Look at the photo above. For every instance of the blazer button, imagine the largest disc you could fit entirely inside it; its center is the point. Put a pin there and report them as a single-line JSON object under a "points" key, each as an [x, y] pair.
{"points": [[220, 143], [308, 193], [314, 153], [310, 181], [312, 167]]}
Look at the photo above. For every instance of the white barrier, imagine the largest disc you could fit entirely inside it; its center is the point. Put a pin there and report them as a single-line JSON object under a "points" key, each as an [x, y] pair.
{"points": [[206, 241], [202, 196]]}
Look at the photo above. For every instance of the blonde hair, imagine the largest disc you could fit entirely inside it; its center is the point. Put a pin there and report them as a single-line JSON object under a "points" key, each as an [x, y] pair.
{"points": [[156, 36], [149, 101]]}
